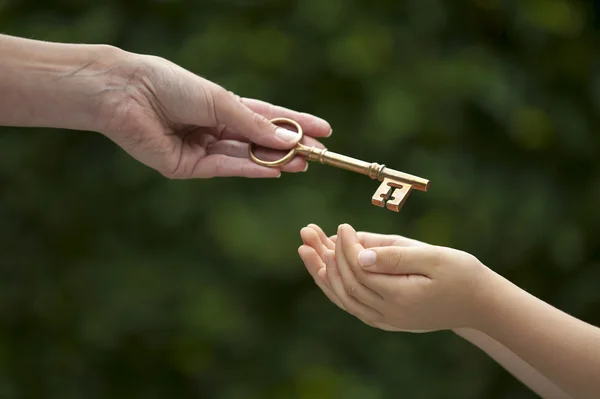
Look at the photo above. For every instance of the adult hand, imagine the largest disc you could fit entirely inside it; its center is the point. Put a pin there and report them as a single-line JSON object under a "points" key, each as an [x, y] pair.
{"points": [[188, 127], [166, 117]]}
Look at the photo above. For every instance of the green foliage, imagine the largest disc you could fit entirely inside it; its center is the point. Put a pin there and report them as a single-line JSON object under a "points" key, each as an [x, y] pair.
{"points": [[119, 283]]}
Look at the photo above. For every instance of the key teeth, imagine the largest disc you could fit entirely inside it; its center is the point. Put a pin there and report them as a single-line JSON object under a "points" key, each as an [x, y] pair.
{"points": [[399, 196], [391, 194]]}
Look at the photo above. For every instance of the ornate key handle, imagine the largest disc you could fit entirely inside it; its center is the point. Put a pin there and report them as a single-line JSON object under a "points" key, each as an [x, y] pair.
{"points": [[392, 192]]}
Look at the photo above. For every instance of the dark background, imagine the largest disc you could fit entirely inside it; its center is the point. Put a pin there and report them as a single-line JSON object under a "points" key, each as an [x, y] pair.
{"points": [[118, 283]]}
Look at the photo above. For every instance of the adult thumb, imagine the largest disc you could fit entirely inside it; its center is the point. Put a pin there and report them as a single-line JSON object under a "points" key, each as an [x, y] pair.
{"points": [[396, 260], [230, 112]]}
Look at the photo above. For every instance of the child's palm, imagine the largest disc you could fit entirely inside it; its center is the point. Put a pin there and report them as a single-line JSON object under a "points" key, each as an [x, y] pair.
{"points": [[317, 243]]}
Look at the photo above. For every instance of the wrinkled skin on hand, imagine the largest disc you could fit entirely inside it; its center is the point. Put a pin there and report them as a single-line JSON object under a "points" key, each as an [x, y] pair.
{"points": [[185, 126]]}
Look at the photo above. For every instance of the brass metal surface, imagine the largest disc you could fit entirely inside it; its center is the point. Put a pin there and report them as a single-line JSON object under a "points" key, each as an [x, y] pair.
{"points": [[392, 192]]}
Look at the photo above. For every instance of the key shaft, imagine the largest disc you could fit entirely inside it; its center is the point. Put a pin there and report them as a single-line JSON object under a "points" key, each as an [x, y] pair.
{"points": [[372, 169], [392, 192]]}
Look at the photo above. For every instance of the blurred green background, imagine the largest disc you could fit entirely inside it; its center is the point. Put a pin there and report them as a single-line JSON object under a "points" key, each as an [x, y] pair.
{"points": [[118, 283]]}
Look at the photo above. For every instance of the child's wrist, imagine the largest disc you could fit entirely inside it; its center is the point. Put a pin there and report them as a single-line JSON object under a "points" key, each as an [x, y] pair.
{"points": [[467, 333], [486, 288], [489, 291]]}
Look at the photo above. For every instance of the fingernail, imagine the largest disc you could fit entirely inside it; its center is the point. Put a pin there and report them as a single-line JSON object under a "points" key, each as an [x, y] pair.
{"points": [[367, 257], [305, 167], [286, 135], [330, 133]]}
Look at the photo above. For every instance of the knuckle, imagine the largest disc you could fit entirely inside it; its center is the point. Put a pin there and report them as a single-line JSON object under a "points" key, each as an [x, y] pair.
{"points": [[213, 98], [468, 257], [394, 259], [235, 96], [272, 109], [259, 120], [219, 93], [397, 266]]}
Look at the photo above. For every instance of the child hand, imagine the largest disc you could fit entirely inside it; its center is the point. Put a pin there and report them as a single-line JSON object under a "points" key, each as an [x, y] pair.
{"points": [[395, 283]]}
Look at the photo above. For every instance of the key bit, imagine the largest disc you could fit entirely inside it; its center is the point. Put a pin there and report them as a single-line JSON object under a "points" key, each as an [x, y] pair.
{"points": [[391, 195], [392, 192]]}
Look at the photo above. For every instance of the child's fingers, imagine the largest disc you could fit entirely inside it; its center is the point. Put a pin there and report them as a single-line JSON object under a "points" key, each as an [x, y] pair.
{"points": [[348, 248], [352, 306], [311, 238], [316, 268], [354, 288], [369, 240], [328, 291], [322, 236], [311, 260]]}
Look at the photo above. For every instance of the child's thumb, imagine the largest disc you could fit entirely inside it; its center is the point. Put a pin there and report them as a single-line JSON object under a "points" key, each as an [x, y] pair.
{"points": [[395, 260]]}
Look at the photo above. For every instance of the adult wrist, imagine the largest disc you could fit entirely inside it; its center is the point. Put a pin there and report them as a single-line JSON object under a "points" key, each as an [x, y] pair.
{"points": [[56, 85], [116, 82], [97, 85]]}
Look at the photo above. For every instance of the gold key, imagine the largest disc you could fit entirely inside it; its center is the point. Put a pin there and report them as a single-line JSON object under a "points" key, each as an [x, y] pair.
{"points": [[392, 192]]}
